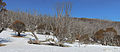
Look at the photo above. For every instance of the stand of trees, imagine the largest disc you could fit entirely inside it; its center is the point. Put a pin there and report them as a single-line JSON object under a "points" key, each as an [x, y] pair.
{"points": [[63, 27], [2, 15]]}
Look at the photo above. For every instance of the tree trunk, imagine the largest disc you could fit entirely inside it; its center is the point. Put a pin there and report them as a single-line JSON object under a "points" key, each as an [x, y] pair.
{"points": [[1, 30], [34, 35], [18, 33], [36, 41]]}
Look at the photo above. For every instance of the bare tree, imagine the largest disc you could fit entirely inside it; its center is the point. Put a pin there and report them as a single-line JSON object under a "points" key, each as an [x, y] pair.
{"points": [[3, 15], [62, 22]]}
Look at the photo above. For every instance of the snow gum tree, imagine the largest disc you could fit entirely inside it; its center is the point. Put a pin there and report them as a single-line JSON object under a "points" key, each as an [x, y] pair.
{"points": [[18, 26]]}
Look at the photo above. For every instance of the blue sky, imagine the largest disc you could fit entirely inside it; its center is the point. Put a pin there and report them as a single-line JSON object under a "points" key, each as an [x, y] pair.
{"points": [[101, 9]]}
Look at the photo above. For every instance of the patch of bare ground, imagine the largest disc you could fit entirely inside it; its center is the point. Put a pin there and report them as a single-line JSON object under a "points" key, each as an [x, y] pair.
{"points": [[19, 36], [2, 45]]}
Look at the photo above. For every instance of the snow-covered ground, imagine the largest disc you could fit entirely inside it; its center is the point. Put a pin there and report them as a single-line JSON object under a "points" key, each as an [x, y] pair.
{"points": [[14, 44]]}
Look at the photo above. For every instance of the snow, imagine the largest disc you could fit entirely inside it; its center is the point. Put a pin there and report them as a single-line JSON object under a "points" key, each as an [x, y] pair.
{"points": [[14, 44]]}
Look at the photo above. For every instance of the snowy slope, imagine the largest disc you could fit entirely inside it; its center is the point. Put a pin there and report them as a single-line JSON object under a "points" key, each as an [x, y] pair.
{"points": [[14, 44]]}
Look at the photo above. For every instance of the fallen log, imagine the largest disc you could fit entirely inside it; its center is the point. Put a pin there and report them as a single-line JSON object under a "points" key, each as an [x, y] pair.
{"points": [[44, 43]]}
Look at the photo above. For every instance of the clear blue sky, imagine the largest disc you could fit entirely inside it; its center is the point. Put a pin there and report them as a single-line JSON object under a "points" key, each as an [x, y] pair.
{"points": [[102, 9]]}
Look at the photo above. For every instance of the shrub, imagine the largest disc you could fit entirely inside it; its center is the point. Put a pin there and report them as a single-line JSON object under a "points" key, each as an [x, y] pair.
{"points": [[105, 37], [18, 26], [2, 5], [116, 40], [99, 35]]}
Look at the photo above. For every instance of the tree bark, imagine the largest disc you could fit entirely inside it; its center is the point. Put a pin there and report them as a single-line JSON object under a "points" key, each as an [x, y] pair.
{"points": [[18, 33], [1, 30], [36, 41], [34, 35]]}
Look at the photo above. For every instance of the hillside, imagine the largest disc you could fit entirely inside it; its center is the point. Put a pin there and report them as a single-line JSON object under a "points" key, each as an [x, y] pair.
{"points": [[64, 29], [97, 24], [19, 44]]}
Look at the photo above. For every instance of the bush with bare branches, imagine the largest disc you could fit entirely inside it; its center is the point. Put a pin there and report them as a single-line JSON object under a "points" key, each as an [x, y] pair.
{"points": [[18, 26]]}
